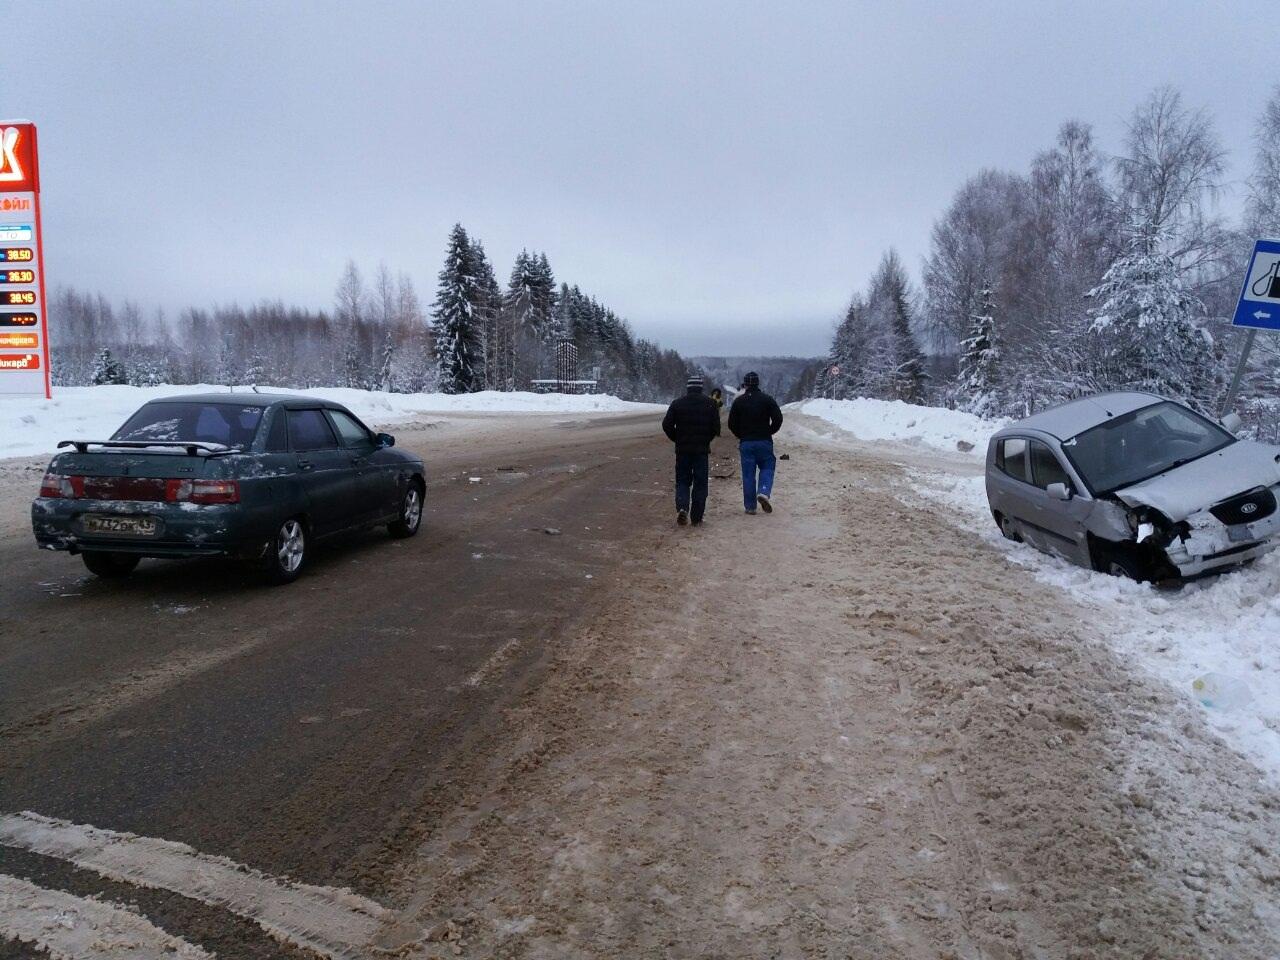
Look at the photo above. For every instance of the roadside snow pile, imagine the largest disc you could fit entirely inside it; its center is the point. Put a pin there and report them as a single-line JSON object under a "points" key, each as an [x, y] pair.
{"points": [[1228, 625], [30, 426], [893, 420]]}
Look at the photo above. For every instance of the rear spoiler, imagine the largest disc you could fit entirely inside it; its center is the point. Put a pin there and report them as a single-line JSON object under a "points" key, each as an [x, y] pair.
{"points": [[193, 448]]}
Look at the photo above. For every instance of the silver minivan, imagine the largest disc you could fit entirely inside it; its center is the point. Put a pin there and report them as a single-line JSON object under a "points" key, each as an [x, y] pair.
{"points": [[1135, 485]]}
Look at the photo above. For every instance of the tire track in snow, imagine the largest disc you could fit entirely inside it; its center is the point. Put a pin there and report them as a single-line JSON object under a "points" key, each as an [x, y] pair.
{"points": [[333, 922], [68, 927]]}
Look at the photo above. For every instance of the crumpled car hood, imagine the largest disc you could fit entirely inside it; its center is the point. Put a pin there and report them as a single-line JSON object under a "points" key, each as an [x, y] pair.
{"points": [[1201, 483]]}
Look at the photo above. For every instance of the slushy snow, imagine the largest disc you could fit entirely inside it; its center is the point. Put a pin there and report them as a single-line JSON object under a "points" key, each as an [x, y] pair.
{"points": [[31, 426], [1227, 625]]}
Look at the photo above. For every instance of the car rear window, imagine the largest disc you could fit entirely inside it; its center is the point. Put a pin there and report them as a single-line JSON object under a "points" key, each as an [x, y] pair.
{"points": [[1011, 457], [309, 430], [229, 424], [278, 433]]}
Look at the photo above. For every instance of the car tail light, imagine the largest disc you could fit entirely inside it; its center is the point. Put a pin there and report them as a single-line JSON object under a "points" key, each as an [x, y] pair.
{"points": [[60, 486], [202, 491]]}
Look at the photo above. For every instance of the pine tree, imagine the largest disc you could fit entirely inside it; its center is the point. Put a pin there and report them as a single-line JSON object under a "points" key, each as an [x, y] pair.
{"points": [[488, 313], [457, 329], [107, 369], [891, 295], [544, 300], [226, 372], [1144, 331], [976, 385], [255, 371]]}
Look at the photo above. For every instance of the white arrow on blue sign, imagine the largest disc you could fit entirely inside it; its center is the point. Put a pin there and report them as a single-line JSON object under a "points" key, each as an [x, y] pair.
{"points": [[1259, 304]]}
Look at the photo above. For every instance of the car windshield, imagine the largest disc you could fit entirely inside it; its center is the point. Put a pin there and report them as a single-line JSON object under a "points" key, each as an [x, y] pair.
{"points": [[229, 424], [1141, 444]]}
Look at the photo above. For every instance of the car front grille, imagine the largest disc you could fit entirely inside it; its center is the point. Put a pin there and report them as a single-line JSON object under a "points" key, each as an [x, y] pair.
{"points": [[1247, 507]]}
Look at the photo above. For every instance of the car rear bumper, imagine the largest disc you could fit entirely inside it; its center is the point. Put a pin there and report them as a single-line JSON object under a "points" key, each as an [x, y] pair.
{"points": [[182, 530]]}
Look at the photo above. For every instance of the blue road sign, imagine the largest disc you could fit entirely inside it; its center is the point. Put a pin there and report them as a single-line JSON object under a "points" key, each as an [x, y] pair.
{"points": [[1259, 304]]}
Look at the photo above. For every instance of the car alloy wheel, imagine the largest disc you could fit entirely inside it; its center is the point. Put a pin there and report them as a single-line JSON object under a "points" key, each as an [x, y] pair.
{"points": [[411, 514], [291, 544], [409, 518]]}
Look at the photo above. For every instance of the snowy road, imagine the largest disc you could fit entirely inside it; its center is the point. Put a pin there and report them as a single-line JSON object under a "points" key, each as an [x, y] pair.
{"points": [[302, 730], [852, 729]]}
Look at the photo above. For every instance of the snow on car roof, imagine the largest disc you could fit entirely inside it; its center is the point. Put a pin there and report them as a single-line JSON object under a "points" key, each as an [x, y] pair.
{"points": [[1068, 419]]}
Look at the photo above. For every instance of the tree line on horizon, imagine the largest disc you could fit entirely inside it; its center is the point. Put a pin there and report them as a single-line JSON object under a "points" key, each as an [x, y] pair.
{"points": [[1086, 273], [476, 335]]}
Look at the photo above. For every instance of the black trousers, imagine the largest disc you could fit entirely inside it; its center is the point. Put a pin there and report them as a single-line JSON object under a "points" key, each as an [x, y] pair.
{"points": [[691, 483]]}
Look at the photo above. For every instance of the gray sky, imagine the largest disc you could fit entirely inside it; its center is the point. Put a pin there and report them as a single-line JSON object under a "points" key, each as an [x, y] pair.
{"points": [[722, 174]]}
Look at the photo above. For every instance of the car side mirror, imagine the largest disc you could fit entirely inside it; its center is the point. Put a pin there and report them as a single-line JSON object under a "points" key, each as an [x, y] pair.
{"points": [[1059, 491], [385, 440], [1232, 422]]}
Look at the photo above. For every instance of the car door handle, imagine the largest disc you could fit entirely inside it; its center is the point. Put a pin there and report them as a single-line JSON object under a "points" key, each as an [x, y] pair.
{"points": [[305, 464], [358, 461]]}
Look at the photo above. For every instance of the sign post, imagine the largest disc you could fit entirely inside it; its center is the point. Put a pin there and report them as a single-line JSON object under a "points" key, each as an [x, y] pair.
{"points": [[1258, 307], [24, 330]]}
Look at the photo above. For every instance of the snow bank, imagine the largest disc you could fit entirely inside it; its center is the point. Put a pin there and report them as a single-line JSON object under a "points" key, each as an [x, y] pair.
{"points": [[31, 426], [1228, 625], [893, 420]]}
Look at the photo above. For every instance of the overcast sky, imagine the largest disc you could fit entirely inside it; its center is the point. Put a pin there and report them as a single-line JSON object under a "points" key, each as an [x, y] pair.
{"points": [[722, 174]]}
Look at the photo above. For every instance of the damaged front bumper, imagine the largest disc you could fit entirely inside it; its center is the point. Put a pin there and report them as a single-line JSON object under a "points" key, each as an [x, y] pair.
{"points": [[1211, 545]]}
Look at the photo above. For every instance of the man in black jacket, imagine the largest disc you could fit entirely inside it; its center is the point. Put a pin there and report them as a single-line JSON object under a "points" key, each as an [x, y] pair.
{"points": [[754, 418], [691, 423]]}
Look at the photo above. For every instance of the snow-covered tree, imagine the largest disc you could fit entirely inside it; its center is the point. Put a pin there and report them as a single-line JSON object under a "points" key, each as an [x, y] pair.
{"points": [[255, 369], [488, 313], [349, 304], [861, 355], [978, 380], [457, 328], [1169, 176], [385, 367], [1262, 212], [107, 369], [1144, 327], [890, 301]]}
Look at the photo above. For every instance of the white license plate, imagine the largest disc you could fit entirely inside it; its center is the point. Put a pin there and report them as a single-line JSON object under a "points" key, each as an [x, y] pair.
{"points": [[130, 526]]}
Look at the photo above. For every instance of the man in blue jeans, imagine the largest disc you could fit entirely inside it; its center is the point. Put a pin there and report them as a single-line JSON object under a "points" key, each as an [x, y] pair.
{"points": [[691, 423], [754, 418]]}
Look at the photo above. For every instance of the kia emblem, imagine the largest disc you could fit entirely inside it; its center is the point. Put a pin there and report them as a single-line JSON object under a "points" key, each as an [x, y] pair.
{"points": [[1249, 508]]}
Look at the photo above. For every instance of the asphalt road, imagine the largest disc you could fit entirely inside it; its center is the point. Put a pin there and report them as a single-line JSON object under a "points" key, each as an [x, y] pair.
{"points": [[299, 729]]}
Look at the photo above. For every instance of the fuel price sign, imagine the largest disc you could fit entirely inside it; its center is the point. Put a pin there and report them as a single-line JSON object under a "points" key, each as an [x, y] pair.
{"points": [[24, 328]]}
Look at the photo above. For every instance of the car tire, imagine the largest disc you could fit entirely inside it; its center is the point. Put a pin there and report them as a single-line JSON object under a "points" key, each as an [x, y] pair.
{"points": [[410, 519], [108, 564], [1119, 565], [1008, 529], [287, 552]]}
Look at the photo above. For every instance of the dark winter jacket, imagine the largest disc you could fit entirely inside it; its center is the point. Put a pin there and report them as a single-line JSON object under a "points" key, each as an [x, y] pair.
{"points": [[755, 416], [692, 422]]}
